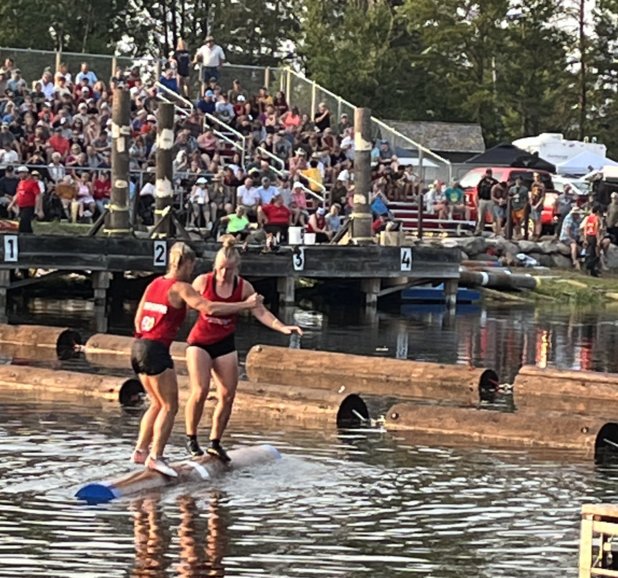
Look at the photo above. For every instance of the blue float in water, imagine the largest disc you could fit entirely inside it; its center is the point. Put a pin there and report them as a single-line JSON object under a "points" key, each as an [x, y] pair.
{"points": [[96, 493]]}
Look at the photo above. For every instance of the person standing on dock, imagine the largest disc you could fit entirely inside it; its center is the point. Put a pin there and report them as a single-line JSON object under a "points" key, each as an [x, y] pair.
{"points": [[212, 347], [159, 316], [28, 198]]}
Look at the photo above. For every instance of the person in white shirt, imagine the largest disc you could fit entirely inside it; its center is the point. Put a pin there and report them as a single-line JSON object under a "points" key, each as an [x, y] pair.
{"points": [[248, 197], [199, 201], [86, 73], [212, 57], [8, 156], [47, 85]]}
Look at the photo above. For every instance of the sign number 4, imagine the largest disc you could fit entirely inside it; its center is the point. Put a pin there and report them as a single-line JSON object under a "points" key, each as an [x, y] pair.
{"points": [[406, 259]]}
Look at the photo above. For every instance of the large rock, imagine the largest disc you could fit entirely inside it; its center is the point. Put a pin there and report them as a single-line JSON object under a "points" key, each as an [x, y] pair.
{"points": [[563, 249], [473, 245], [543, 259], [549, 247], [561, 261], [528, 247], [612, 257], [503, 246]]}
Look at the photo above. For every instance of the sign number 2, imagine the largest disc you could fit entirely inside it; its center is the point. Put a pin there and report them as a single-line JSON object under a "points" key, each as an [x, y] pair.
{"points": [[160, 254], [11, 248], [406, 259]]}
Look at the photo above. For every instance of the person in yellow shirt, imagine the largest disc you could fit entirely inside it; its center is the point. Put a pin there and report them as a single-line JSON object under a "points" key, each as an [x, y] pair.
{"points": [[314, 174]]}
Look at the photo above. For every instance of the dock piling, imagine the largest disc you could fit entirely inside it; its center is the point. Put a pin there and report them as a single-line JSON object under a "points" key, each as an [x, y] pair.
{"points": [[5, 281], [361, 213], [286, 290], [164, 186]]}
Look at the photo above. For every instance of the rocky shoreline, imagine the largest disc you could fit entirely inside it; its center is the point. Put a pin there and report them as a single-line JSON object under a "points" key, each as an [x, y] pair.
{"points": [[546, 253]]}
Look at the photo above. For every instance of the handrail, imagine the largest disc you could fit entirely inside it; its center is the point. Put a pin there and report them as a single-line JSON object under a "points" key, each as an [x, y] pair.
{"points": [[241, 137], [176, 95], [272, 156], [178, 109]]}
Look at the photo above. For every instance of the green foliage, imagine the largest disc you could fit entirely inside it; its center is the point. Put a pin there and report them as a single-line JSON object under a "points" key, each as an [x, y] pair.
{"points": [[511, 65]]}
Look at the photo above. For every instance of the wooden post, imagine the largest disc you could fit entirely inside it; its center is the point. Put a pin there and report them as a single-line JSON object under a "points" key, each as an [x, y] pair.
{"points": [[585, 546], [5, 281], [509, 220], [100, 285], [361, 213], [450, 293], [371, 289], [164, 187], [285, 289], [421, 200], [121, 133]]}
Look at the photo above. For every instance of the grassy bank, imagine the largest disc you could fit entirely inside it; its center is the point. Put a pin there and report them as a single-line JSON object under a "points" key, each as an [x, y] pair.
{"points": [[60, 228]]}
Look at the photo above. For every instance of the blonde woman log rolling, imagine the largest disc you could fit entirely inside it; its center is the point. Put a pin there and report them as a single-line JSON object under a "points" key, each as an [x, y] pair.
{"points": [[159, 316], [212, 348]]}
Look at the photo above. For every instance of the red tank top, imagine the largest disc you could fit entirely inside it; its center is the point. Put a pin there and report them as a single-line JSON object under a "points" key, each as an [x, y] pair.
{"points": [[209, 329], [159, 320], [320, 222], [591, 228]]}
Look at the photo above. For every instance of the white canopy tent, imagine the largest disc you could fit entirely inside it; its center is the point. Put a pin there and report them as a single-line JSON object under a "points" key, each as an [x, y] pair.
{"points": [[583, 163]]}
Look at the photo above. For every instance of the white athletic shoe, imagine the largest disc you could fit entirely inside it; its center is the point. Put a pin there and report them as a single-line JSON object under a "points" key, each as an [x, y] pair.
{"points": [[161, 466]]}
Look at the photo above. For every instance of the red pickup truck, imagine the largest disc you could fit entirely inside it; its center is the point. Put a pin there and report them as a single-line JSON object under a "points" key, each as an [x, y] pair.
{"points": [[471, 179]]}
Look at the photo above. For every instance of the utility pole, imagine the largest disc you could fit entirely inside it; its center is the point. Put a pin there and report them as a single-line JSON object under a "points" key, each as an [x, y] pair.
{"points": [[121, 135], [164, 186], [583, 88], [361, 212]]}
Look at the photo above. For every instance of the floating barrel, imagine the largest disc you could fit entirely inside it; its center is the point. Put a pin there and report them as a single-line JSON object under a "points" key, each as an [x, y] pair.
{"points": [[126, 391], [113, 351], [591, 435], [199, 469], [38, 342], [369, 375], [585, 392]]}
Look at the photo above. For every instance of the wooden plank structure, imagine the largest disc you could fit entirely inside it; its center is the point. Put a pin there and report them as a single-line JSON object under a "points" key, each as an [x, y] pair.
{"points": [[200, 469], [599, 531], [369, 266], [403, 379]]}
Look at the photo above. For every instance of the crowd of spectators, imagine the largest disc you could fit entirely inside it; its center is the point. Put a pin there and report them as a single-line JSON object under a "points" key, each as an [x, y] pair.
{"points": [[297, 169]]}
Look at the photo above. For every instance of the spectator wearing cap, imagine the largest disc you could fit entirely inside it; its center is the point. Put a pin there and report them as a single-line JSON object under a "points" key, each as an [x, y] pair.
{"points": [[240, 105], [317, 225], [211, 57], [8, 188], [298, 204], [28, 199], [199, 204], [206, 104], [275, 217], [85, 74]]}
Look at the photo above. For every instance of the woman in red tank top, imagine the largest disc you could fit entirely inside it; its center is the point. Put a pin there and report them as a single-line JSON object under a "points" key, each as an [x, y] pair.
{"points": [[159, 316], [212, 348]]}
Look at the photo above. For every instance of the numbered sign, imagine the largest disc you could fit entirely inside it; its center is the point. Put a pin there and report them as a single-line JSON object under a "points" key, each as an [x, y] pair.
{"points": [[406, 259], [298, 259], [160, 254], [11, 248]]}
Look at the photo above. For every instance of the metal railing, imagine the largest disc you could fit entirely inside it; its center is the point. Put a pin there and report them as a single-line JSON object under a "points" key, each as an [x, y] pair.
{"points": [[240, 144], [167, 95]]}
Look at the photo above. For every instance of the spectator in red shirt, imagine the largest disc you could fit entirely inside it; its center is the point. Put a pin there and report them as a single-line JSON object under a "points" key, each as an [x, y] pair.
{"points": [[58, 143], [102, 190], [28, 198], [275, 217]]}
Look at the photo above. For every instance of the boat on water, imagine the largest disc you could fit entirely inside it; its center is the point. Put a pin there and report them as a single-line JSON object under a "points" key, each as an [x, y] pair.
{"points": [[435, 294]]}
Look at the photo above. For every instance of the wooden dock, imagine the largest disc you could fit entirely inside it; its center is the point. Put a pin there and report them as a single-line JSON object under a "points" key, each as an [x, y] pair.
{"points": [[599, 528], [379, 270]]}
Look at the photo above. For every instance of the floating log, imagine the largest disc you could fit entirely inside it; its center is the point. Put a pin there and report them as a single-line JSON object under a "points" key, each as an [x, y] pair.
{"points": [[199, 469], [126, 391], [114, 350], [341, 408], [39, 341], [369, 375], [584, 392], [592, 435], [496, 280]]}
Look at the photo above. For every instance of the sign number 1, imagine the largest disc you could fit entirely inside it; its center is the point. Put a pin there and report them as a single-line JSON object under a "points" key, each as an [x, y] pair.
{"points": [[160, 254], [11, 249], [406, 259]]}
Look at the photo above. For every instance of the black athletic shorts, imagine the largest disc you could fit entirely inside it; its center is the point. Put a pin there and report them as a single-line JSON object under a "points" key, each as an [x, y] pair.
{"points": [[218, 349], [150, 357]]}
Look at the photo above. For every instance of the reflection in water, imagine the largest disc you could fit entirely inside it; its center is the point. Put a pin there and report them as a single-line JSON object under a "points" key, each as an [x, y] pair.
{"points": [[202, 539], [498, 337]]}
